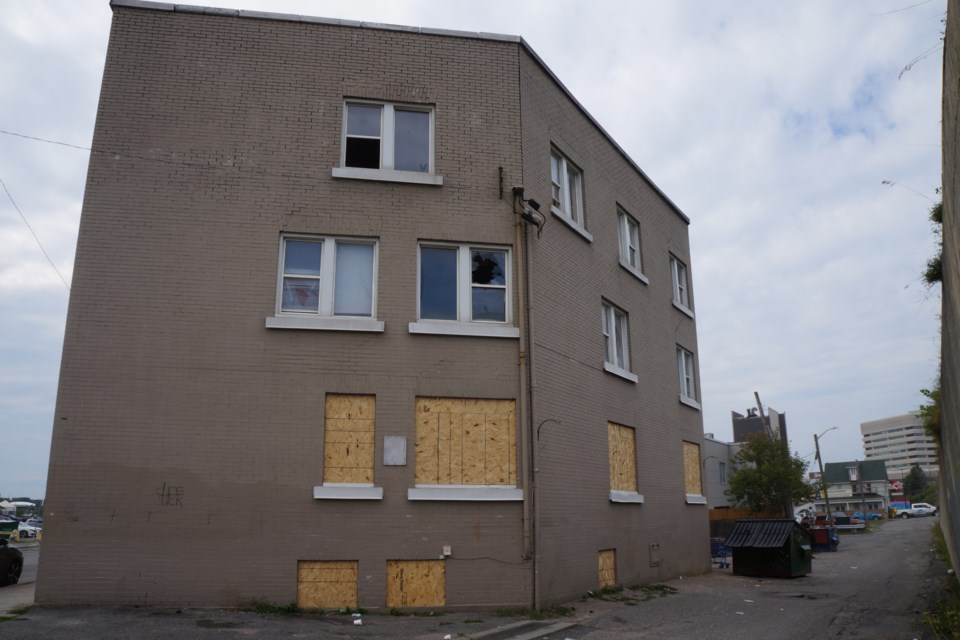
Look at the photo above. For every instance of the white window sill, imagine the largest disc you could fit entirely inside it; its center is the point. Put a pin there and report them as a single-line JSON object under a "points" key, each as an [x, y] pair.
{"points": [[690, 402], [459, 492], [464, 329], [388, 175], [683, 309], [570, 223], [635, 272], [622, 373], [695, 498], [626, 497], [318, 323], [347, 491]]}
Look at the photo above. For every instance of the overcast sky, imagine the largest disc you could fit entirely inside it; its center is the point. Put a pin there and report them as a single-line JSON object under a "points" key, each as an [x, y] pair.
{"points": [[772, 125]]}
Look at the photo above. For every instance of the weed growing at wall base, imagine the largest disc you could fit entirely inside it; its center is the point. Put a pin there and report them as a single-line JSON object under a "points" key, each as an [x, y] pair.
{"points": [[945, 618]]}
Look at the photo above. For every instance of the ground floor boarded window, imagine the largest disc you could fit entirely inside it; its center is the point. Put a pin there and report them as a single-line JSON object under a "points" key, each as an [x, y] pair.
{"points": [[416, 583], [607, 562], [326, 584]]}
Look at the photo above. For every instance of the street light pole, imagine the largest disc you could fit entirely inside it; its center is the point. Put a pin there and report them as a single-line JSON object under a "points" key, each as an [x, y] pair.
{"points": [[823, 478]]}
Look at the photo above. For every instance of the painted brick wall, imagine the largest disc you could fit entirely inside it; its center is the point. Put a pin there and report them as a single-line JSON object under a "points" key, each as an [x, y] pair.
{"points": [[569, 277], [188, 437], [219, 134]]}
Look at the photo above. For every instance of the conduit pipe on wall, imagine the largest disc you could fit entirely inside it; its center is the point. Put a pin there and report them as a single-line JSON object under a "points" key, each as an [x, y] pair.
{"points": [[528, 443]]}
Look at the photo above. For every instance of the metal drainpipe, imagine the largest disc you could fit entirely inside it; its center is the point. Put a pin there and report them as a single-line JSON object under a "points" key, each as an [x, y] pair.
{"points": [[534, 430], [528, 443]]}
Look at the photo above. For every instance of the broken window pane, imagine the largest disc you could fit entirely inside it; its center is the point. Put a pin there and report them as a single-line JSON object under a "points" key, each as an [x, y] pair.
{"points": [[488, 267]]}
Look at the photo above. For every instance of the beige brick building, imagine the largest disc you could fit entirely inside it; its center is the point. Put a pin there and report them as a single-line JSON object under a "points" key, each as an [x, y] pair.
{"points": [[315, 353]]}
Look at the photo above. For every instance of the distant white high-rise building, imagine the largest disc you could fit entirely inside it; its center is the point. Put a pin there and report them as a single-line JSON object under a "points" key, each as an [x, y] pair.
{"points": [[901, 442]]}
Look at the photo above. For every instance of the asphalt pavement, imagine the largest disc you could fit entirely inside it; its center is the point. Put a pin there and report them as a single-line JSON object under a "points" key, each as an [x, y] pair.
{"points": [[876, 586]]}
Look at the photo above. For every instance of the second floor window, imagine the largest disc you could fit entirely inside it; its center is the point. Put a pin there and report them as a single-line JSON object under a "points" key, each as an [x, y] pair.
{"points": [[464, 283], [387, 136], [688, 384], [615, 338], [323, 276]]}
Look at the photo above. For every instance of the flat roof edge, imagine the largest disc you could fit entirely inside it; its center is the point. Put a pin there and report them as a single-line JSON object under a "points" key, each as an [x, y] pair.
{"points": [[291, 17], [474, 35]]}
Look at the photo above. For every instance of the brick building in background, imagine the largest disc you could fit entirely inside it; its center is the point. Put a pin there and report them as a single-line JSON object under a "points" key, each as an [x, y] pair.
{"points": [[315, 353]]}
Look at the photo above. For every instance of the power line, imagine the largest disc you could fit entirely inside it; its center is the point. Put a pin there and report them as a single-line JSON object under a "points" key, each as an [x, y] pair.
{"points": [[122, 154], [33, 233], [887, 13]]}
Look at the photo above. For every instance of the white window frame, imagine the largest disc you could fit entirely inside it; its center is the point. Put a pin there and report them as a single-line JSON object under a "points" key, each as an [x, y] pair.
{"points": [[628, 233], [680, 280], [686, 369], [386, 172], [615, 323], [565, 193], [723, 472], [464, 325], [324, 318]]}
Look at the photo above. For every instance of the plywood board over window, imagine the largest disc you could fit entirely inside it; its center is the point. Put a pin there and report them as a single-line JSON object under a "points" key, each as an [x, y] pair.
{"points": [[464, 441], [607, 564], [348, 440], [623, 457], [416, 583], [691, 468], [326, 584]]}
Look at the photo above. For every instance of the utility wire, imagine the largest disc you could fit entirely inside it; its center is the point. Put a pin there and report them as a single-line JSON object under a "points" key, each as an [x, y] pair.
{"points": [[33, 233], [200, 165], [887, 13]]}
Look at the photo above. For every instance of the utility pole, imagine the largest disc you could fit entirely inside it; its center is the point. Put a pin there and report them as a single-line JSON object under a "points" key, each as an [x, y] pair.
{"points": [[765, 420], [823, 481], [863, 500]]}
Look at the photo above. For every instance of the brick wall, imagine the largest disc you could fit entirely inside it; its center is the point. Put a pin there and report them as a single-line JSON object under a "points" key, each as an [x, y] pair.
{"points": [[188, 437], [225, 132], [569, 277], [950, 347]]}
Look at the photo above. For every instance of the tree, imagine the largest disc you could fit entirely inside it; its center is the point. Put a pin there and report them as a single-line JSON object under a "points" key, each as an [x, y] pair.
{"points": [[914, 483], [934, 270], [766, 477], [930, 413]]}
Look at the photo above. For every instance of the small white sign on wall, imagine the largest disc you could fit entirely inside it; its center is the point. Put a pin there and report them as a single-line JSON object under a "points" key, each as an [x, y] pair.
{"points": [[394, 451]]}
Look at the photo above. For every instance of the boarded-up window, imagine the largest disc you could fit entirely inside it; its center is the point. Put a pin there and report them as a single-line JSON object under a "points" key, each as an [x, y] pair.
{"points": [[416, 583], [326, 584], [691, 468], [607, 561], [348, 440], [623, 457], [465, 441]]}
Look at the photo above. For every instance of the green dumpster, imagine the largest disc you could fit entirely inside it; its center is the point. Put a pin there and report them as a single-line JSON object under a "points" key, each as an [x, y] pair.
{"points": [[770, 548]]}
